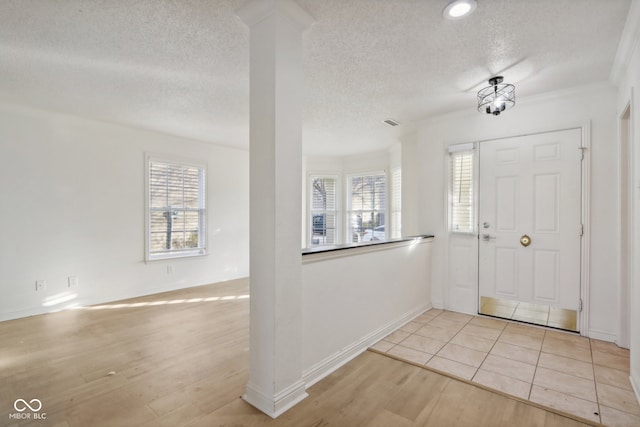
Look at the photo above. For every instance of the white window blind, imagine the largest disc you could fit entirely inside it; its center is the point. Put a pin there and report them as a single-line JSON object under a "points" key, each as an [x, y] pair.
{"points": [[461, 194], [396, 203], [176, 214], [366, 207], [323, 210]]}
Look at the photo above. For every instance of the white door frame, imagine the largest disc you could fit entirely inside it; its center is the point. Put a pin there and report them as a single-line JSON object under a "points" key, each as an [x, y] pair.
{"points": [[626, 187], [585, 128], [585, 256]]}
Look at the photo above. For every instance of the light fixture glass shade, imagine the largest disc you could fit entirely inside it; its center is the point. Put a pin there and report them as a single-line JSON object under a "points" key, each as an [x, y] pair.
{"points": [[458, 9], [497, 97]]}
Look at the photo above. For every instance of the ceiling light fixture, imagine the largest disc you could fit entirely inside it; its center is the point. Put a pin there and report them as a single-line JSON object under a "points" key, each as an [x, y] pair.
{"points": [[458, 9], [497, 97]]}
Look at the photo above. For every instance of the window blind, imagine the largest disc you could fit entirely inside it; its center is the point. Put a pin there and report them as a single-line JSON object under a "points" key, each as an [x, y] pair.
{"points": [[396, 203], [176, 217], [461, 194], [366, 201], [323, 210]]}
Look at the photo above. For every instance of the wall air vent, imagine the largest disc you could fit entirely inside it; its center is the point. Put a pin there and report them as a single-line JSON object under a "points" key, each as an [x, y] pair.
{"points": [[391, 122]]}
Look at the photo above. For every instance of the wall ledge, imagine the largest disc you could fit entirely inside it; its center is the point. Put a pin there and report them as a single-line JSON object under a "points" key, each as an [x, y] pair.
{"points": [[339, 251]]}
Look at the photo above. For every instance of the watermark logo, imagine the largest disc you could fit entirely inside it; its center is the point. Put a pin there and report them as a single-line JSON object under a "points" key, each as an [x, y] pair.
{"points": [[21, 405], [34, 406]]}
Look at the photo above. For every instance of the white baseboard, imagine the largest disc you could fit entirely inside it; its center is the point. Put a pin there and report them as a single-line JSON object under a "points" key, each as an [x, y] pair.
{"points": [[439, 304], [25, 313], [330, 364], [275, 406], [636, 388], [602, 336], [83, 302]]}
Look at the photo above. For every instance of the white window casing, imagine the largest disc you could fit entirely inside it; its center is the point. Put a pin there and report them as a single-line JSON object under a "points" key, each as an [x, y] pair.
{"points": [[175, 208]]}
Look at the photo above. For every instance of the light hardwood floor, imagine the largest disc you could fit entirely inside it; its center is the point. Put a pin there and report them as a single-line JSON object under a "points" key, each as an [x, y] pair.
{"points": [[181, 359]]}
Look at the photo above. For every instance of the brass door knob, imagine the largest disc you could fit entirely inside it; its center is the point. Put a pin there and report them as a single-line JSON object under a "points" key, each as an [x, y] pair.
{"points": [[525, 240]]}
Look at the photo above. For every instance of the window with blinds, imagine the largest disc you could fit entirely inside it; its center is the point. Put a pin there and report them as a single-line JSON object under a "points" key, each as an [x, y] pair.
{"points": [[461, 208], [366, 207], [323, 211], [176, 214], [396, 203]]}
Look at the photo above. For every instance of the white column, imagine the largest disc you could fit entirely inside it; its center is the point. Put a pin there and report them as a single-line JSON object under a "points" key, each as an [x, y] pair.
{"points": [[276, 88]]}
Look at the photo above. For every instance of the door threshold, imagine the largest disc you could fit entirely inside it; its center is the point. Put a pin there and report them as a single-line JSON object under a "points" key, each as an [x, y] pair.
{"points": [[531, 314]]}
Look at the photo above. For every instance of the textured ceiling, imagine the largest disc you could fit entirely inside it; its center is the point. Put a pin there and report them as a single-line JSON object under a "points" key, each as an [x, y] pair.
{"points": [[181, 66]]}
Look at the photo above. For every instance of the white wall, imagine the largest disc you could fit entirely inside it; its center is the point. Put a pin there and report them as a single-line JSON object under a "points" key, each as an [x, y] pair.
{"points": [[571, 108], [410, 172], [373, 161], [73, 204], [630, 84], [352, 300]]}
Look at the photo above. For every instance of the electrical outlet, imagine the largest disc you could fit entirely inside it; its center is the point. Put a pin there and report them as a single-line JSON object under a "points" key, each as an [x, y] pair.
{"points": [[73, 282], [169, 269], [41, 285]]}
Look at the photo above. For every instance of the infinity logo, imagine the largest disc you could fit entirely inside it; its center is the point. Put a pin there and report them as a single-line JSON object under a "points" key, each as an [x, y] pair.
{"points": [[26, 405]]}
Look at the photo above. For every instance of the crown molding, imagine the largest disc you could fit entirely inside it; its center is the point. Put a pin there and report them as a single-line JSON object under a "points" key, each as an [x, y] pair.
{"points": [[628, 43]]}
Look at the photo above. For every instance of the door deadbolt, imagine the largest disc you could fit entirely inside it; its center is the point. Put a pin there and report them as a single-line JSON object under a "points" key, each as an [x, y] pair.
{"points": [[525, 240]]}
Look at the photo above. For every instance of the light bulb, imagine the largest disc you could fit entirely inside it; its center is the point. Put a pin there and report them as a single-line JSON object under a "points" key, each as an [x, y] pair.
{"points": [[459, 10]]}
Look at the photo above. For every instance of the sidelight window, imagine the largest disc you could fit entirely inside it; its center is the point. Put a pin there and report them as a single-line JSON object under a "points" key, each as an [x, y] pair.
{"points": [[461, 188]]}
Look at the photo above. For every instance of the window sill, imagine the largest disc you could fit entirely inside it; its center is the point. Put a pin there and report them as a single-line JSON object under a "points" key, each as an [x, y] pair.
{"points": [[180, 255], [334, 251]]}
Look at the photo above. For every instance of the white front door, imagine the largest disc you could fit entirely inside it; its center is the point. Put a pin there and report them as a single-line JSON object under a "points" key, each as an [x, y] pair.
{"points": [[530, 192]]}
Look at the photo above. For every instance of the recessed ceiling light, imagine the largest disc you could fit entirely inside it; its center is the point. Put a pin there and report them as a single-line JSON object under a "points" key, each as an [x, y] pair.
{"points": [[458, 9]]}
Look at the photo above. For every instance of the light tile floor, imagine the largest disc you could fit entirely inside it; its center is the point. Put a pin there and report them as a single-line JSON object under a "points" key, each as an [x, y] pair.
{"points": [[588, 378]]}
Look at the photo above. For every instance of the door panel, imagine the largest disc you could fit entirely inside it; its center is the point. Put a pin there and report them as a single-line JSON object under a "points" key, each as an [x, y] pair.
{"points": [[546, 266], [547, 203], [531, 186], [506, 203], [547, 151], [507, 274]]}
